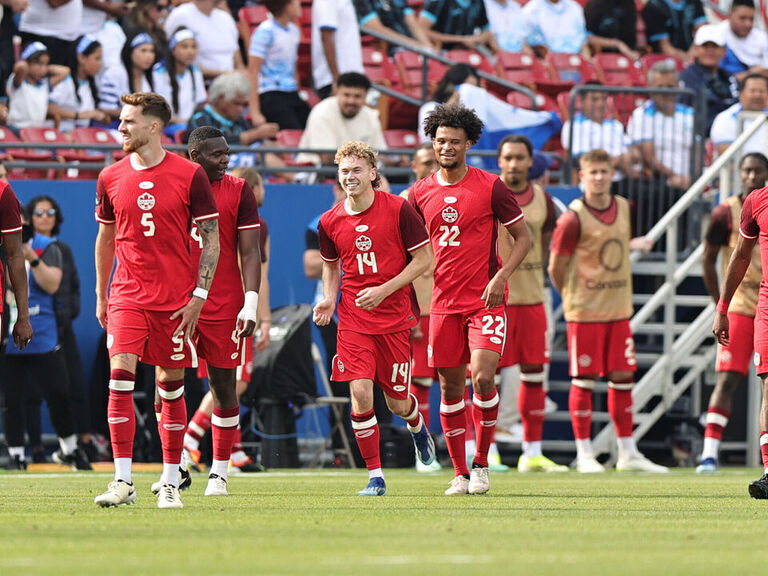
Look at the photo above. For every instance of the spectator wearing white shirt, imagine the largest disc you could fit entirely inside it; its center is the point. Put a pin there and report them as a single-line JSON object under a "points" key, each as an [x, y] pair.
{"points": [[662, 130], [272, 59], [507, 24], [746, 46], [75, 99], [179, 81], [336, 47], [594, 128], [55, 23], [556, 26], [725, 128], [134, 74], [96, 12], [216, 33]]}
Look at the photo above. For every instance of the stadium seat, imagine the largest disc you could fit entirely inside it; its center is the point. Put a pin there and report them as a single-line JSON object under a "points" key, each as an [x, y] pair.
{"points": [[93, 135], [398, 138], [618, 70], [289, 138], [377, 65], [410, 68], [543, 102], [249, 19], [648, 60], [521, 68], [474, 59], [53, 136], [309, 96], [570, 69], [23, 155]]}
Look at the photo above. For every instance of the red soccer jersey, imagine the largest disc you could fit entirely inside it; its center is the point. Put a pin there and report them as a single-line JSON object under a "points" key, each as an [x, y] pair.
{"points": [[374, 247], [237, 211], [152, 209], [754, 224], [462, 220], [10, 223]]}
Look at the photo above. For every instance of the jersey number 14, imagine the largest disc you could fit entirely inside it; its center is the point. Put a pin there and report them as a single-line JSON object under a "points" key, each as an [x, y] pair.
{"points": [[366, 259]]}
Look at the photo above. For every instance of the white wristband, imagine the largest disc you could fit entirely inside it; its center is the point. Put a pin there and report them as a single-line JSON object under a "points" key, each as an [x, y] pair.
{"points": [[201, 293]]}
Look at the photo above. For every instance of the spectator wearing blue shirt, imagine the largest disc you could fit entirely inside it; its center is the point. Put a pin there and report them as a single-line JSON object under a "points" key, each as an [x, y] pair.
{"points": [[506, 22], [453, 24], [272, 59], [670, 26], [556, 26], [394, 18]]}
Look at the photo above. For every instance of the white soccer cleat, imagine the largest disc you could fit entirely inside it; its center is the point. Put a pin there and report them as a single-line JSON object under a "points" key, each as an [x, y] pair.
{"points": [[589, 465], [639, 463], [118, 492], [538, 463], [427, 468], [217, 486], [478, 481], [459, 485], [168, 497]]}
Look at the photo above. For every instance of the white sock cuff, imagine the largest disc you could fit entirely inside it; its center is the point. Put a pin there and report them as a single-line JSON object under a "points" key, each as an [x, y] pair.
{"points": [[122, 385], [170, 394], [763, 439], [532, 377], [451, 408], [716, 418], [415, 411], [365, 423], [228, 422], [486, 403], [583, 383], [621, 385]]}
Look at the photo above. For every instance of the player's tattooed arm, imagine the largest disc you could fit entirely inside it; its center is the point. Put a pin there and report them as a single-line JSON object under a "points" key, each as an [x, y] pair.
{"points": [[209, 233], [189, 314]]}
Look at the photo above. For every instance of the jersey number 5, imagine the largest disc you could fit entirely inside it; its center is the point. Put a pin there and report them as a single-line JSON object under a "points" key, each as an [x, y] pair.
{"points": [[148, 223], [449, 235], [366, 259]]}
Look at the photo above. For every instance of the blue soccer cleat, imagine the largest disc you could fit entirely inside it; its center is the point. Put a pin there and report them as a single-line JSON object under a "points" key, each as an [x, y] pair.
{"points": [[707, 466], [376, 487], [425, 446]]}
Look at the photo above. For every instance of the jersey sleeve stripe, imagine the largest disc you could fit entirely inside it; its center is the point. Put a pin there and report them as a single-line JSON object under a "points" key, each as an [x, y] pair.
{"points": [[249, 226], [747, 236], [206, 217], [11, 230], [329, 259], [419, 245], [103, 221], [515, 219]]}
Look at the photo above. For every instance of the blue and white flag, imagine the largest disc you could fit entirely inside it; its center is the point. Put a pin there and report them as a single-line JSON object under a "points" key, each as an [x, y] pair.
{"points": [[502, 119]]}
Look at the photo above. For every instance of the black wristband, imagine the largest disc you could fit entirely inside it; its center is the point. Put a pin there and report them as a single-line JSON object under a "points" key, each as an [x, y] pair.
{"points": [[35, 263]]}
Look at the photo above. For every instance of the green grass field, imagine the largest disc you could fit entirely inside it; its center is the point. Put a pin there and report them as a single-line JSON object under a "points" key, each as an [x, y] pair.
{"points": [[312, 523]]}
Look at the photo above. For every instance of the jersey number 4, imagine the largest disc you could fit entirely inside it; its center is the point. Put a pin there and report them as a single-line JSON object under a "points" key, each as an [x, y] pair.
{"points": [[366, 259], [449, 235]]}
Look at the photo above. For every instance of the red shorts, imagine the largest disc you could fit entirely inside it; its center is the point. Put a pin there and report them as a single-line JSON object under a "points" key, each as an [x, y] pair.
{"points": [[526, 336], [383, 358], [243, 371], [600, 348], [761, 341], [735, 357], [453, 337], [218, 343], [421, 367], [149, 335]]}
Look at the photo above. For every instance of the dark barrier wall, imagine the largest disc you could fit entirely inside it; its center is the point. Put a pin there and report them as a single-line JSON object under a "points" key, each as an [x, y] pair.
{"points": [[287, 209]]}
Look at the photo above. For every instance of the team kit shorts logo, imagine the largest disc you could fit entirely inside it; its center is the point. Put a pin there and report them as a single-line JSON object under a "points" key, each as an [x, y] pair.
{"points": [[340, 365], [585, 360], [398, 388], [429, 350], [756, 359], [363, 243], [146, 201]]}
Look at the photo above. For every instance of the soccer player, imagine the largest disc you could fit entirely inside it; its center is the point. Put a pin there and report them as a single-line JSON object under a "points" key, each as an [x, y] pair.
{"points": [[144, 205], [210, 154], [753, 228], [527, 343], [424, 163], [462, 206], [589, 266], [380, 245], [10, 235], [732, 360]]}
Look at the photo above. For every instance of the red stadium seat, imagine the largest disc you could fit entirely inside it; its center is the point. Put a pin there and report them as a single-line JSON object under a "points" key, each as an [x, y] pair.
{"points": [[53, 136], [249, 18], [474, 59], [543, 102], [289, 138], [570, 68], [618, 70], [410, 67], [93, 135], [377, 65], [648, 60], [398, 138], [23, 155], [521, 68]]}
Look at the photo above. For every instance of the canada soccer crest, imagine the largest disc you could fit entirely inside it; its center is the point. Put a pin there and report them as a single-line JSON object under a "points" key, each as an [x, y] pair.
{"points": [[363, 243], [146, 201], [450, 214]]}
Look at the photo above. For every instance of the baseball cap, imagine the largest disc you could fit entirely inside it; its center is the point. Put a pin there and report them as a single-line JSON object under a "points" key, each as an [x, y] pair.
{"points": [[709, 33]]}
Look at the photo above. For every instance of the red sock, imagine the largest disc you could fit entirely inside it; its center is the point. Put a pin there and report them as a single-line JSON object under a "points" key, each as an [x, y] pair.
{"points": [[454, 424], [174, 420], [366, 429], [470, 422], [530, 403], [717, 420], [199, 425], [120, 413], [237, 440], [485, 411], [620, 410], [422, 397], [224, 427], [764, 448], [580, 407]]}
